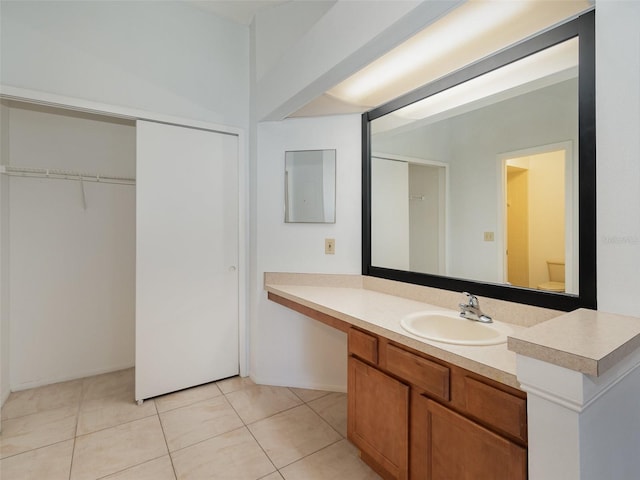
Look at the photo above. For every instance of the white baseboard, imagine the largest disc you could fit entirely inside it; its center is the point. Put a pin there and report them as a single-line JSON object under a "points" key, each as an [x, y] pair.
{"points": [[280, 382], [66, 378]]}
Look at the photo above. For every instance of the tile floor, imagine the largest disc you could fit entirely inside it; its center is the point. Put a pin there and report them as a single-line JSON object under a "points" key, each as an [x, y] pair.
{"points": [[232, 429]]}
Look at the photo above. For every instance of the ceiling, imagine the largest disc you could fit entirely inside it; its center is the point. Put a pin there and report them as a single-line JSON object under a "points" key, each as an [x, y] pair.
{"points": [[467, 34], [240, 11]]}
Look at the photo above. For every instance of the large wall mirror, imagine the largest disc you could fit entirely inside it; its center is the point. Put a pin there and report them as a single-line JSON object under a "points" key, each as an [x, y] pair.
{"points": [[484, 180]]}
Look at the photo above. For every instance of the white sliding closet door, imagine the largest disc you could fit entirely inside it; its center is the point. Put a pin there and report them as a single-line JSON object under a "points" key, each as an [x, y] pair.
{"points": [[186, 258]]}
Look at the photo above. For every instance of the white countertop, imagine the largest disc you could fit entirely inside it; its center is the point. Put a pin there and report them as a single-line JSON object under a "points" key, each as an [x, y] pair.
{"points": [[380, 313], [586, 341]]}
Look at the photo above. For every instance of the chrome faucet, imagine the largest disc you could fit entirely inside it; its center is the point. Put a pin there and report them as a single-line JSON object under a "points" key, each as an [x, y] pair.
{"points": [[471, 310]]}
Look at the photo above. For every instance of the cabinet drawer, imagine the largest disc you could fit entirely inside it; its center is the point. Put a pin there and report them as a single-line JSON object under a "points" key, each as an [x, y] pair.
{"points": [[499, 409], [363, 345], [428, 376]]}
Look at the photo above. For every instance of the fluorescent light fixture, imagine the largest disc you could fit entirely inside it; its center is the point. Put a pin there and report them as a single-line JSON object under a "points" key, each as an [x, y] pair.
{"points": [[557, 63], [472, 31], [460, 27], [550, 66]]}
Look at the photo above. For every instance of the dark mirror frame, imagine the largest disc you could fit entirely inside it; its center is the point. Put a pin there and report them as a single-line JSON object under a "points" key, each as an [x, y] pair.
{"points": [[583, 27]]}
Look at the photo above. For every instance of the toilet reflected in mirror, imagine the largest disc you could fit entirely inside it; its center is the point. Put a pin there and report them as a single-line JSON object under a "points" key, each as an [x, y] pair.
{"points": [[556, 277]]}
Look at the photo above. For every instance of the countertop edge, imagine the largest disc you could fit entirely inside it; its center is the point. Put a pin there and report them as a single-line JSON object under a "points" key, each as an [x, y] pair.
{"points": [[554, 356], [461, 361], [612, 338], [587, 341]]}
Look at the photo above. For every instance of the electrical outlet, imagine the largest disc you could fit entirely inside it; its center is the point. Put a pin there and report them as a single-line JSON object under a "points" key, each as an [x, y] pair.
{"points": [[488, 236], [329, 246]]}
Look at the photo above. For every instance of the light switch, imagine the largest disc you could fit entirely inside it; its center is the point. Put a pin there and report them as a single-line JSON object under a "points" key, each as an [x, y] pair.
{"points": [[329, 246], [488, 236]]}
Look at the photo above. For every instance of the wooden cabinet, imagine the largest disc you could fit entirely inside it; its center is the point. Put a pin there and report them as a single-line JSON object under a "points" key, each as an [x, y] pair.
{"points": [[416, 417], [378, 419], [458, 448]]}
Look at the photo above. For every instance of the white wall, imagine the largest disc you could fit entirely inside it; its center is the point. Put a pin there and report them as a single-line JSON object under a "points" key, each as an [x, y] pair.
{"points": [[71, 270], [280, 27], [618, 154], [4, 260], [160, 56], [309, 57], [288, 348]]}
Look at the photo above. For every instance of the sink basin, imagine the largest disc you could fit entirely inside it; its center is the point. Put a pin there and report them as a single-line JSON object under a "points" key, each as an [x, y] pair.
{"points": [[449, 327]]}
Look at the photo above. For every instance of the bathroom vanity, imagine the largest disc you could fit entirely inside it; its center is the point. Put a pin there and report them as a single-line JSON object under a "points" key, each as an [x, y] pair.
{"points": [[419, 409], [550, 403]]}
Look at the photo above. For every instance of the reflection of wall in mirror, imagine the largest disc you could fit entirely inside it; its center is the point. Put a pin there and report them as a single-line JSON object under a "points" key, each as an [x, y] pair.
{"points": [[390, 213], [408, 214], [426, 218], [310, 186], [471, 144], [304, 188]]}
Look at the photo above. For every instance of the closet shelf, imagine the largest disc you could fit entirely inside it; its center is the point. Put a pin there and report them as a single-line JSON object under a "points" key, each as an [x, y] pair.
{"points": [[64, 175]]}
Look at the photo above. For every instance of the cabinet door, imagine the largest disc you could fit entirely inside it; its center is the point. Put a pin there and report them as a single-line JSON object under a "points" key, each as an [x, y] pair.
{"points": [[378, 418], [458, 448]]}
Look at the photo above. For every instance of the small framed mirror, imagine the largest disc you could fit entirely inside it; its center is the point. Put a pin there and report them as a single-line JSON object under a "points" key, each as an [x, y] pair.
{"points": [[310, 186]]}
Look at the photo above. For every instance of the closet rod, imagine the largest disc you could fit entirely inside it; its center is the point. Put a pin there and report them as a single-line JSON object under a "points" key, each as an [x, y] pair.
{"points": [[64, 175]]}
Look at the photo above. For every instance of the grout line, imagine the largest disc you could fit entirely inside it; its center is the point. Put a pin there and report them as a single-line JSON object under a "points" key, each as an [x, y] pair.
{"points": [[313, 453], [34, 449], [206, 440], [246, 427], [129, 467], [166, 442], [184, 390], [317, 398], [75, 437], [116, 425], [73, 451], [194, 402], [37, 412], [286, 410], [327, 422]]}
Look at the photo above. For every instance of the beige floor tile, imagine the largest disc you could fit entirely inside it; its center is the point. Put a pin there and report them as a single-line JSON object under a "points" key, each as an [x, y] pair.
{"points": [[307, 395], [273, 476], [232, 455], [158, 469], [40, 399], [200, 421], [37, 430], [187, 397], [106, 412], [114, 383], [339, 460], [291, 435], [261, 401], [333, 408], [52, 462], [233, 384], [114, 449]]}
